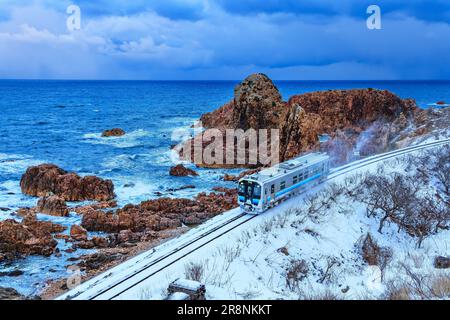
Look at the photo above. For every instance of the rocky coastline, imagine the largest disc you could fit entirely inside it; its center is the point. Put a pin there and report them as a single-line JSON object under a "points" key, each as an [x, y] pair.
{"points": [[366, 121], [381, 118]]}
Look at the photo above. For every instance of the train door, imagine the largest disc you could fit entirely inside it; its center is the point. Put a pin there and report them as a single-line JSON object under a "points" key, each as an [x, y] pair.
{"points": [[272, 192]]}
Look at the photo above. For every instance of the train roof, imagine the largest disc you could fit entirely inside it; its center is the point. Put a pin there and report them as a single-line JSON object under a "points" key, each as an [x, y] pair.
{"points": [[284, 167]]}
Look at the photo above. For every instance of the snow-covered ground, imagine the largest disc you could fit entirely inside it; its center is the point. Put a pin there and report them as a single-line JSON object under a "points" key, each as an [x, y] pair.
{"points": [[310, 248]]}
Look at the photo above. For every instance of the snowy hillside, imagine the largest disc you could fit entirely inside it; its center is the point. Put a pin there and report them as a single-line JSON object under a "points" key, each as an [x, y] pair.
{"points": [[327, 244]]}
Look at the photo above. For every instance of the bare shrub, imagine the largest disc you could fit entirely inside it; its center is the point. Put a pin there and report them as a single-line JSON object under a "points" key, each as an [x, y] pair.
{"points": [[267, 226], [388, 197], [194, 271], [375, 255], [296, 271], [326, 274], [370, 250], [420, 286], [395, 198], [417, 284], [440, 168], [282, 219], [317, 206], [426, 218]]}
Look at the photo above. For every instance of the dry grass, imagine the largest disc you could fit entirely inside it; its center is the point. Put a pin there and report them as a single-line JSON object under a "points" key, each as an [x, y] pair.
{"points": [[194, 271], [440, 286]]}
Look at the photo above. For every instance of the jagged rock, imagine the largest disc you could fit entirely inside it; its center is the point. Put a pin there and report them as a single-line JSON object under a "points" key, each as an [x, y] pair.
{"points": [[100, 242], [39, 180], [441, 262], [188, 186], [53, 205], [84, 244], [62, 236], [115, 132], [78, 233], [22, 212], [230, 177], [95, 206], [128, 236], [98, 260], [14, 273], [159, 214], [10, 294], [257, 104], [181, 171], [31, 221]]}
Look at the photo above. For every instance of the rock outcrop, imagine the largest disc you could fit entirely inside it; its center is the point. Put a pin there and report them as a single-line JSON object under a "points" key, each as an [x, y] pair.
{"points": [[10, 294], [257, 104], [28, 237], [230, 177], [39, 180], [181, 171], [370, 120], [115, 132], [53, 205], [160, 214], [95, 206], [78, 233], [441, 262]]}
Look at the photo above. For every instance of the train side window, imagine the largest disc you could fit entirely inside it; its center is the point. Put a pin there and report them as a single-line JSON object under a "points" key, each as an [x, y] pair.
{"points": [[282, 185], [294, 180], [305, 175], [272, 188]]}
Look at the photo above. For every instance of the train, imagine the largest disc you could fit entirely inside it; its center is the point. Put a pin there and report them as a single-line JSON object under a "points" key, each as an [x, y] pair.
{"points": [[265, 189]]}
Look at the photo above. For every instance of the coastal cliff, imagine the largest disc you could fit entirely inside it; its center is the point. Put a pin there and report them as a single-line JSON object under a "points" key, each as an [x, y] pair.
{"points": [[365, 121]]}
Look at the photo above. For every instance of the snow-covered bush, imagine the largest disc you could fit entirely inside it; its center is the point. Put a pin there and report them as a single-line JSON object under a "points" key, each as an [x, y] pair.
{"points": [[296, 271], [375, 255], [194, 271], [409, 198]]}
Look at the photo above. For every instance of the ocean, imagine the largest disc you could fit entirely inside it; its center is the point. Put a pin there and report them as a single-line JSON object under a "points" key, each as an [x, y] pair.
{"points": [[61, 122]]}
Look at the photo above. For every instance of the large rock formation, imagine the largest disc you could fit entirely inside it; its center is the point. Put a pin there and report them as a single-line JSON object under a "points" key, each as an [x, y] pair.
{"points": [[39, 180], [257, 104], [28, 237], [160, 214]]}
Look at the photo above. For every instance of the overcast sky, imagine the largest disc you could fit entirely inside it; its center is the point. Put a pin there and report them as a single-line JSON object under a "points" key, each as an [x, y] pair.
{"points": [[225, 39]]}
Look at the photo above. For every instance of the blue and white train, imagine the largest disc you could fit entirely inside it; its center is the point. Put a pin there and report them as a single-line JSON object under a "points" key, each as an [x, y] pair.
{"points": [[267, 188]]}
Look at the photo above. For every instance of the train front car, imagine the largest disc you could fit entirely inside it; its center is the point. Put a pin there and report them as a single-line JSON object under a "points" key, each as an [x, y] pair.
{"points": [[250, 195]]}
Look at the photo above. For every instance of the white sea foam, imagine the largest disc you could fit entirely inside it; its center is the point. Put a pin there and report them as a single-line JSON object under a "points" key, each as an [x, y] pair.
{"points": [[134, 191], [123, 161], [16, 163]]}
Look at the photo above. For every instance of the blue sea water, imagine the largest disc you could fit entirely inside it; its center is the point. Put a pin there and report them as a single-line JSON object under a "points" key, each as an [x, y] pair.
{"points": [[61, 122]]}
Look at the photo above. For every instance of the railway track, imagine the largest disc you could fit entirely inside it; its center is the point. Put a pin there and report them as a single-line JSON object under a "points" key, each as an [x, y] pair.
{"points": [[120, 279]]}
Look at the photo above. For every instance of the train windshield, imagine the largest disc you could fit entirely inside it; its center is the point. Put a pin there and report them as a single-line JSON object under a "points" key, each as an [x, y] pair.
{"points": [[249, 189]]}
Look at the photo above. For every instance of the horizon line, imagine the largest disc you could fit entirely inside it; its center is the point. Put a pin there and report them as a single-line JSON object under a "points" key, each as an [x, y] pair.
{"points": [[226, 80]]}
